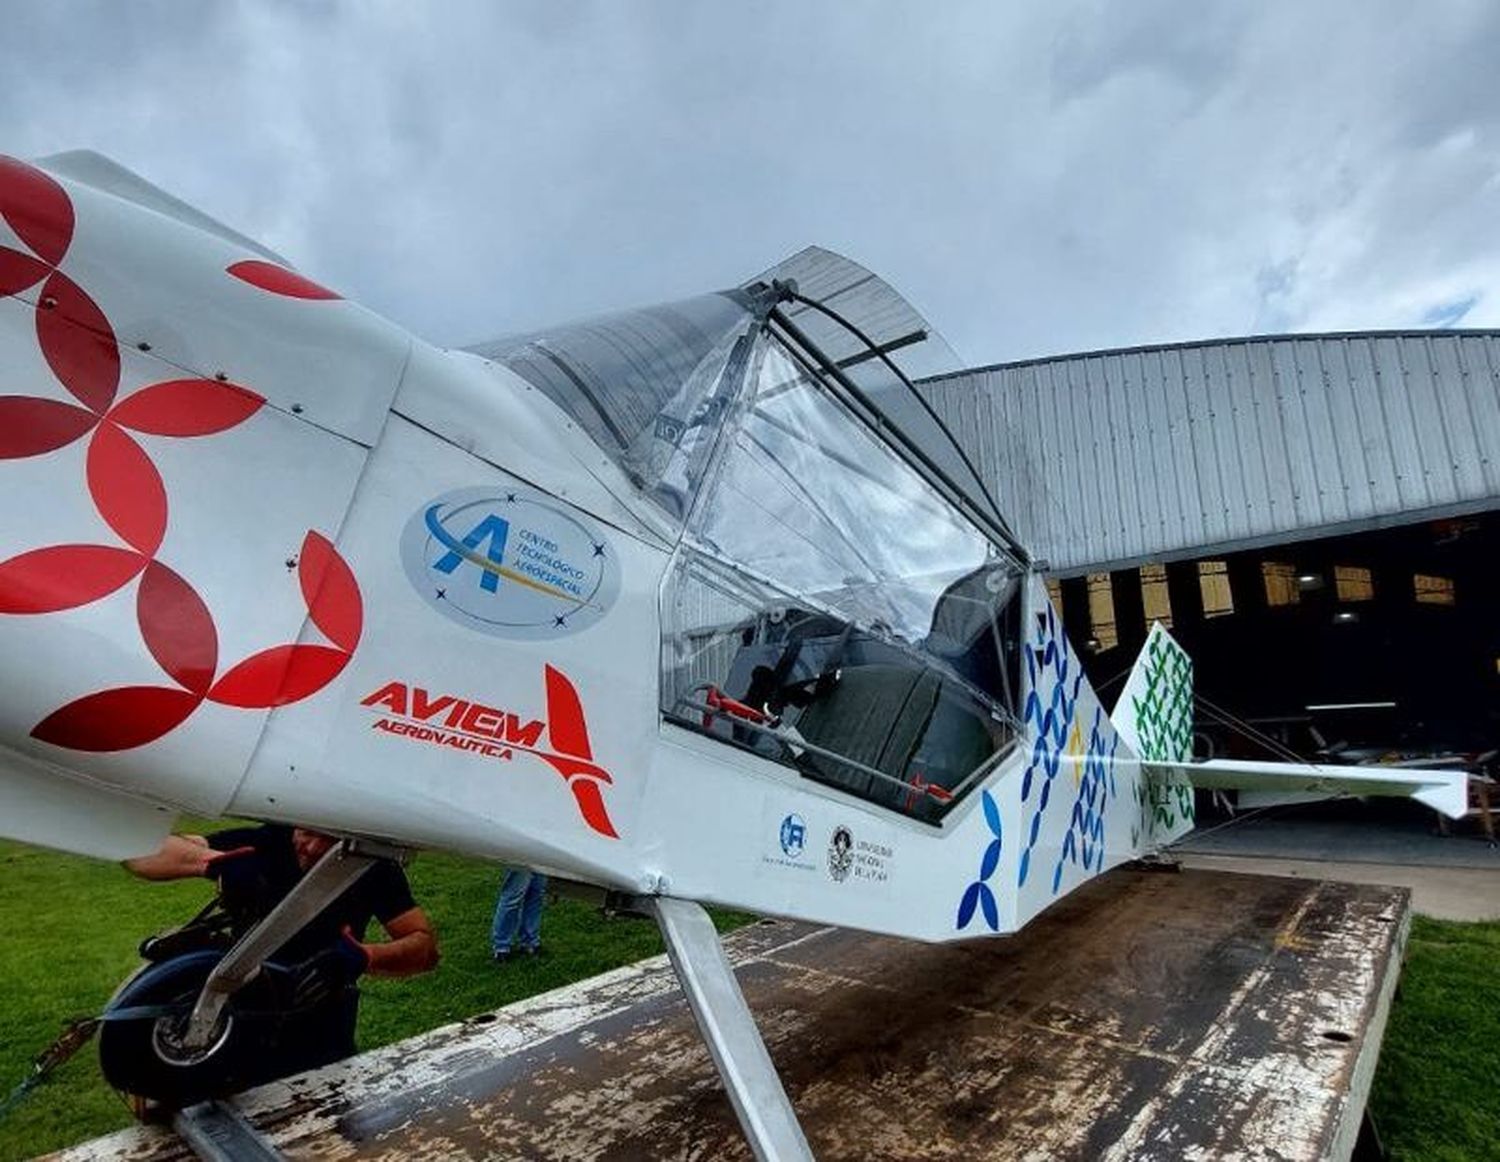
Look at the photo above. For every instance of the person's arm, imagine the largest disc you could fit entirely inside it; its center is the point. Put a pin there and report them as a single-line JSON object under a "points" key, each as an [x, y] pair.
{"points": [[179, 857], [411, 949]]}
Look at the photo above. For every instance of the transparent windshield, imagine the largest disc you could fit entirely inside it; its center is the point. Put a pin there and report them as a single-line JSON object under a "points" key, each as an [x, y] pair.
{"points": [[867, 631], [649, 385]]}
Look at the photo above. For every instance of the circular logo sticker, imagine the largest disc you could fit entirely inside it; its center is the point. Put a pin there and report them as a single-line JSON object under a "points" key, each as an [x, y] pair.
{"points": [[509, 562], [793, 835]]}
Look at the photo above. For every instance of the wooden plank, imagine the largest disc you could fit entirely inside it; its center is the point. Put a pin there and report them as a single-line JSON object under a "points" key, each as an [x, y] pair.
{"points": [[1152, 1014]]}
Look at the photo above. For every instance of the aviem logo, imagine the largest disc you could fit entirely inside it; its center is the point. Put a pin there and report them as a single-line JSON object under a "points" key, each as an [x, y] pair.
{"points": [[468, 726]]}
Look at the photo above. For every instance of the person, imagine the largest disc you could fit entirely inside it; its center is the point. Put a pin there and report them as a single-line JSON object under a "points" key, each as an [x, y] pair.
{"points": [[256, 867], [518, 915]]}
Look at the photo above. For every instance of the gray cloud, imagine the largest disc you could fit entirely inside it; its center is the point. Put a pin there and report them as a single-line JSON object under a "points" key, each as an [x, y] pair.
{"points": [[1092, 175]]}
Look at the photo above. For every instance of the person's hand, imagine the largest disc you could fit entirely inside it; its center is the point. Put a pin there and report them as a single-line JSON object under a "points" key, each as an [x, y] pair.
{"points": [[326, 973], [214, 861]]}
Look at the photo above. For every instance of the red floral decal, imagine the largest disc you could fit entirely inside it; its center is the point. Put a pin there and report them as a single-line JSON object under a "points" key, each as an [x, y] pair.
{"points": [[175, 624], [331, 593], [177, 628], [279, 280], [127, 489], [30, 426], [187, 407], [19, 271], [278, 676], [64, 577], [117, 719], [79, 343], [36, 208]]}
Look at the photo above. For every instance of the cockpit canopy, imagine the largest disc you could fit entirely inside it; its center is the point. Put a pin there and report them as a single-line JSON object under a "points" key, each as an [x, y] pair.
{"points": [[843, 599]]}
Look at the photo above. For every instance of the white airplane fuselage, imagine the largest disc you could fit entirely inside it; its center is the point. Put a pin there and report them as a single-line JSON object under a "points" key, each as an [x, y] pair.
{"points": [[265, 554]]}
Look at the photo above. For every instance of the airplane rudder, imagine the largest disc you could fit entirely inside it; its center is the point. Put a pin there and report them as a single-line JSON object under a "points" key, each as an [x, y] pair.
{"points": [[1154, 713]]}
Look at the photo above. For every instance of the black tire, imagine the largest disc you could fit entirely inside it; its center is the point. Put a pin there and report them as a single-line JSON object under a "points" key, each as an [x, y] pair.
{"points": [[143, 1056]]}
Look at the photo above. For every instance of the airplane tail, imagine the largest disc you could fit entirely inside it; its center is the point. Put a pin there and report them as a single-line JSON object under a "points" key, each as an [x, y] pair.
{"points": [[1154, 717]]}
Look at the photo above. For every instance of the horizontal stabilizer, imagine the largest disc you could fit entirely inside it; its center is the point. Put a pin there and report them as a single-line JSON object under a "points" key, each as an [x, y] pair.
{"points": [[1445, 791]]}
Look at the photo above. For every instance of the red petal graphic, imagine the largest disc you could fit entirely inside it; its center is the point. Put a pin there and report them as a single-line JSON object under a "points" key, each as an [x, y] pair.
{"points": [[591, 805], [79, 345], [565, 724], [279, 280], [116, 719], [186, 407], [331, 592], [30, 426], [37, 209], [64, 577], [278, 676], [127, 489], [177, 628], [19, 271]]}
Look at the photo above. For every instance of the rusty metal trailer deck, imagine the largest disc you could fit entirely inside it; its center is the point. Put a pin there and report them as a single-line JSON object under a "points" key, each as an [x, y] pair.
{"points": [[1153, 1014]]}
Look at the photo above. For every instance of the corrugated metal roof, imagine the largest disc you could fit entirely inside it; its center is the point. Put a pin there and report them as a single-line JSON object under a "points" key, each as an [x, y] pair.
{"points": [[1111, 458]]}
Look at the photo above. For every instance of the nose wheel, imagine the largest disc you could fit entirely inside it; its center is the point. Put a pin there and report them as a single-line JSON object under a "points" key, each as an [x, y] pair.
{"points": [[143, 1048]]}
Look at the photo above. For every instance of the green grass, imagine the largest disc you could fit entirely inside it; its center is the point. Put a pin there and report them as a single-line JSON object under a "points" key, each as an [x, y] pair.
{"points": [[70, 928], [1437, 1091]]}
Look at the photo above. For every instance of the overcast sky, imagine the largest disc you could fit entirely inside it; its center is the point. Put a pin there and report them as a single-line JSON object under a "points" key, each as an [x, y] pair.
{"points": [[1037, 178]]}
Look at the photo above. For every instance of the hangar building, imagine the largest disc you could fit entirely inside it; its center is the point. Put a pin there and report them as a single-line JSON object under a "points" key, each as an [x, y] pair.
{"points": [[1312, 514]]}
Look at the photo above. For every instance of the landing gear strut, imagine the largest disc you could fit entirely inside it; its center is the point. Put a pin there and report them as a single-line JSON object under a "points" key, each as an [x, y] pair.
{"points": [[204, 1023]]}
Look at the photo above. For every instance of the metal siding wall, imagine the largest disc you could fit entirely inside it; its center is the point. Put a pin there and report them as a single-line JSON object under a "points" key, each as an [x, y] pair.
{"points": [[1119, 457]]}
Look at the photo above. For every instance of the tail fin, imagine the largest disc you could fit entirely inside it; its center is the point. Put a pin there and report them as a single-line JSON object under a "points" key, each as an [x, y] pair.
{"points": [[1154, 718]]}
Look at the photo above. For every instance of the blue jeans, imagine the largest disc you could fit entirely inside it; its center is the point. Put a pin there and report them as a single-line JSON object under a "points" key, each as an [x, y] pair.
{"points": [[519, 908]]}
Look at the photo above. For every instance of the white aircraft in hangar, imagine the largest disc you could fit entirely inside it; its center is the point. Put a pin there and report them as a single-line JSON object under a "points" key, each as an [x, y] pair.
{"points": [[695, 603]]}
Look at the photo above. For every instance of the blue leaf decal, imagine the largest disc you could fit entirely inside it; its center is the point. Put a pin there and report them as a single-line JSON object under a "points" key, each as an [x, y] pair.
{"points": [[991, 911], [967, 905], [991, 860], [992, 812], [1025, 863]]}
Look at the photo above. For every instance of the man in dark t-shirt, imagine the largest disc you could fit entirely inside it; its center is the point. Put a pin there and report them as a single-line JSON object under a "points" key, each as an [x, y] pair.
{"points": [[258, 866]]}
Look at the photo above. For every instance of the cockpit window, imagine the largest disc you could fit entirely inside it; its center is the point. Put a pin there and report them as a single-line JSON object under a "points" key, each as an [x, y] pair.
{"points": [[650, 386], [830, 610]]}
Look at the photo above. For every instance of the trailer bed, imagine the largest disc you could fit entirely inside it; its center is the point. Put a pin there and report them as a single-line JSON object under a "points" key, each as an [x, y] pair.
{"points": [[1153, 1014]]}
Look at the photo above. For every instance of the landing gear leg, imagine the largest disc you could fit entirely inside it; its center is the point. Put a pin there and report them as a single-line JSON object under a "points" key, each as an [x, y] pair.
{"points": [[340, 866], [766, 1116]]}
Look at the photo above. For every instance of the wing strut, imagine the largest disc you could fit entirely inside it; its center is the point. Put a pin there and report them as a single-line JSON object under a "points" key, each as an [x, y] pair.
{"points": [[765, 1113]]}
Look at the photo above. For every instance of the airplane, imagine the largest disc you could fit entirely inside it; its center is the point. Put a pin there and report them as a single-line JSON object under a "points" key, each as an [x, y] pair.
{"points": [[697, 604]]}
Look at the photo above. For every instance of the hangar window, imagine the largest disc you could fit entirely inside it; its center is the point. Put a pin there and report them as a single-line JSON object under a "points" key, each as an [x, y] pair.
{"points": [[1354, 584], [1281, 583], [1154, 596], [1102, 612], [1054, 591], [1213, 583], [1433, 590]]}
